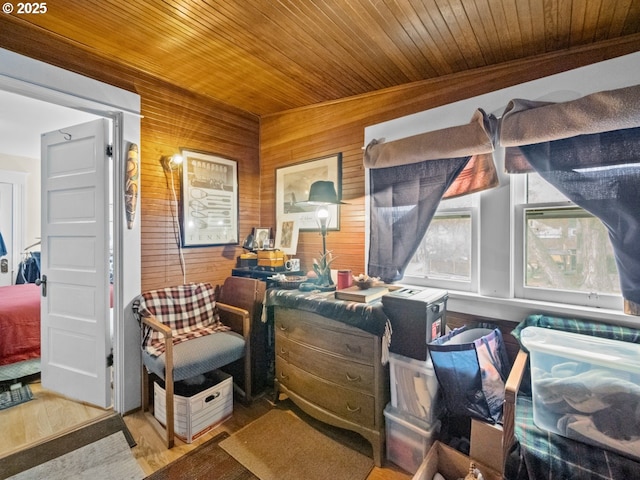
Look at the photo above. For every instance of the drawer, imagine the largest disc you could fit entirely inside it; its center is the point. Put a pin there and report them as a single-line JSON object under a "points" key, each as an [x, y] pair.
{"points": [[320, 332], [348, 404], [335, 369]]}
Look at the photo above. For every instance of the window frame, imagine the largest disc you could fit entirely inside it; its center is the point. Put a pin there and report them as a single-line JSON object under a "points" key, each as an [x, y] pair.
{"points": [[520, 289], [457, 285]]}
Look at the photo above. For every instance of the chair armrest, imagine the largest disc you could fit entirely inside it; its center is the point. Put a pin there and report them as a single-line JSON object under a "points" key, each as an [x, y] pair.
{"points": [[510, 397], [515, 377], [236, 318], [156, 325], [167, 334]]}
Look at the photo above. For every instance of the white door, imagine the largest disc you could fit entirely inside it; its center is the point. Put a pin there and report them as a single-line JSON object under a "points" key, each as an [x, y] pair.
{"points": [[75, 244]]}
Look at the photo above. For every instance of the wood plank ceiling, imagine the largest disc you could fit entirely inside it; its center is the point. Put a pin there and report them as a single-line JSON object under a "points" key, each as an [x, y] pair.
{"points": [[268, 56]]}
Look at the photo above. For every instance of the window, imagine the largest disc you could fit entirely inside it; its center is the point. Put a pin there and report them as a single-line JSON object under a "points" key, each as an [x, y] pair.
{"points": [[562, 252], [551, 250], [447, 255]]}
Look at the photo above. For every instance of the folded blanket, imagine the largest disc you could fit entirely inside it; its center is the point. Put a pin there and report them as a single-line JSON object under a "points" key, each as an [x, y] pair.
{"points": [[587, 391], [582, 428]]}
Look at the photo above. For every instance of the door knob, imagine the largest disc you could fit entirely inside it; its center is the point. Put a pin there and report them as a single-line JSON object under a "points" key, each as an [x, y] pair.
{"points": [[42, 282]]}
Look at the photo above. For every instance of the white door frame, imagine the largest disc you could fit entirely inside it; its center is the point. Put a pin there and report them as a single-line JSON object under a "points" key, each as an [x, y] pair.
{"points": [[35, 79], [19, 182]]}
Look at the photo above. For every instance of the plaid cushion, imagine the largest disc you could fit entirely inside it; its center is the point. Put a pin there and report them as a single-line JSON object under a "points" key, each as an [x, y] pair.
{"points": [[189, 310]]}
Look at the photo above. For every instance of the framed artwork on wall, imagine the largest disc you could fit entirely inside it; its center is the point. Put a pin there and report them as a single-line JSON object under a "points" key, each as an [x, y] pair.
{"points": [[209, 200], [292, 186], [287, 235]]}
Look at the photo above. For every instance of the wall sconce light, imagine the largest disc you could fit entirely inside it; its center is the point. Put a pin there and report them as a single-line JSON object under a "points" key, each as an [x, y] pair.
{"points": [[171, 162]]}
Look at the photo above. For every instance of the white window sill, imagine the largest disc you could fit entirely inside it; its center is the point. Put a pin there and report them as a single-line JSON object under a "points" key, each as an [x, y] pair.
{"points": [[516, 310]]}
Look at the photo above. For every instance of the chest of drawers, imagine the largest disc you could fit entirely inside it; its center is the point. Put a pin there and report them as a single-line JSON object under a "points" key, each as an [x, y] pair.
{"points": [[333, 372]]}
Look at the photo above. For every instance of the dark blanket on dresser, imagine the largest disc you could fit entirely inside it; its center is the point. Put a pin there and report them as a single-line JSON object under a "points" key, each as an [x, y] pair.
{"points": [[369, 317]]}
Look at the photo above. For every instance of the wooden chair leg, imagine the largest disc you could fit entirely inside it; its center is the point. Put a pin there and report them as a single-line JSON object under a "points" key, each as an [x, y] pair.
{"points": [[145, 389], [247, 380], [168, 384], [169, 418]]}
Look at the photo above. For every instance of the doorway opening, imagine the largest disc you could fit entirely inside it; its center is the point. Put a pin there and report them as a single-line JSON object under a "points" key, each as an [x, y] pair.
{"points": [[48, 414]]}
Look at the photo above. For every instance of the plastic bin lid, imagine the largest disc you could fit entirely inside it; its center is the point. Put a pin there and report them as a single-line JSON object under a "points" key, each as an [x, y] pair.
{"points": [[613, 354], [415, 424]]}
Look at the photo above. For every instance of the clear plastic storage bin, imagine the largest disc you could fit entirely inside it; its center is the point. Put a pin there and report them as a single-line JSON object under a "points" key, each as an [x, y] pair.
{"points": [[586, 388], [408, 438], [414, 387]]}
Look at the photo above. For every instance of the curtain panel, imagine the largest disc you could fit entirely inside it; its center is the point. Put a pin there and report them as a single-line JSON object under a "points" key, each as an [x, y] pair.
{"points": [[525, 122], [589, 149], [409, 177], [403, 201]]}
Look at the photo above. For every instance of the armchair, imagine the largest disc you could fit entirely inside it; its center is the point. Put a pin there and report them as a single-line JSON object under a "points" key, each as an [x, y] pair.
{"points": [[186, 333], [532, 453]]}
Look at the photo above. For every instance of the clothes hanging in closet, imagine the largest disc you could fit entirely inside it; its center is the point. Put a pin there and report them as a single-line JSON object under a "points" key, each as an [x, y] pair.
{"points": [[29, 269]]}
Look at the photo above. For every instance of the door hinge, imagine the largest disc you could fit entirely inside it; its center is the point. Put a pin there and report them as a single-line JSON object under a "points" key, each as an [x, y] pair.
{"points": [[109, 150]]}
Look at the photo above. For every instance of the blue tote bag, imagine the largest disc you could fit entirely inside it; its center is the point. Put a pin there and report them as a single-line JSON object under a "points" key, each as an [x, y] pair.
{"points": [[471, 366]]}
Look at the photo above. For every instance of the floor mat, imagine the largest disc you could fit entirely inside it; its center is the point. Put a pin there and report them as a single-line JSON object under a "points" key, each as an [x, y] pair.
{"points": [[281, 446], [11, 398]]}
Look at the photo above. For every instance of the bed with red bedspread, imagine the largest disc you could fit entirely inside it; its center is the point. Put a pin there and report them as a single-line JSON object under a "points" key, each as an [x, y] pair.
{"points": [[19, 323]]}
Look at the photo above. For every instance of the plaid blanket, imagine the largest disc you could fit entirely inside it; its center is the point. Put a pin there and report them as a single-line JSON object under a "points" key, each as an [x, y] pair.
{"points": [[541, 455], [189, 310], [585, 327]]}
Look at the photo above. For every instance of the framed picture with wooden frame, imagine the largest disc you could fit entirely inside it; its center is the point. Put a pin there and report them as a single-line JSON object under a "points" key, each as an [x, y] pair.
{"points": [[292, 186], [209, 200]]}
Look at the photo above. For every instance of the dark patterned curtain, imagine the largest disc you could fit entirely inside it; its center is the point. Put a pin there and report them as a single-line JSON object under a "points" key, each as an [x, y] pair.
{"points": [[601, 173], [409, 177], [589, 149], [403, 202]]}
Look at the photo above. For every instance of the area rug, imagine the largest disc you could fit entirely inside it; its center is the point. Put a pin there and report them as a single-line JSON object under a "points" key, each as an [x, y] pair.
{"points": [[204, 462], [11, 398], [281, 446], [41, 453], [109, 458]]}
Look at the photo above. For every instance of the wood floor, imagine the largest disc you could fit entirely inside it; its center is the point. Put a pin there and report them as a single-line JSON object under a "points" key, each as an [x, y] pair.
{"points": [[50, 415], [152, 454], [47, 415]]}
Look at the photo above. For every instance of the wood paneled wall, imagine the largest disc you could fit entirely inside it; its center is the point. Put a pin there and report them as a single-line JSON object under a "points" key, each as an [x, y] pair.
{"points": [[306, 133], [173, 119]]}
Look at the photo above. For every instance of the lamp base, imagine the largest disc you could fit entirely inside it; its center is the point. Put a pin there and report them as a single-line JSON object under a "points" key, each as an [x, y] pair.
{"points": [[325, 288], [309, 287]]}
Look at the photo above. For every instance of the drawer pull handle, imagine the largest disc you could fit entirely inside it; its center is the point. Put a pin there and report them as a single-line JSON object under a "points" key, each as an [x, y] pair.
{"points": [[283, 328], [211, 398], [357, 378], [353, 410], [283, 351], [352, 349], [283, 376]]}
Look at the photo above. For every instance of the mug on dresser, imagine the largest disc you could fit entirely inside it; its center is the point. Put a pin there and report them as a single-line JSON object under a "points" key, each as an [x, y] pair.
{"points": [[293, 264]]}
